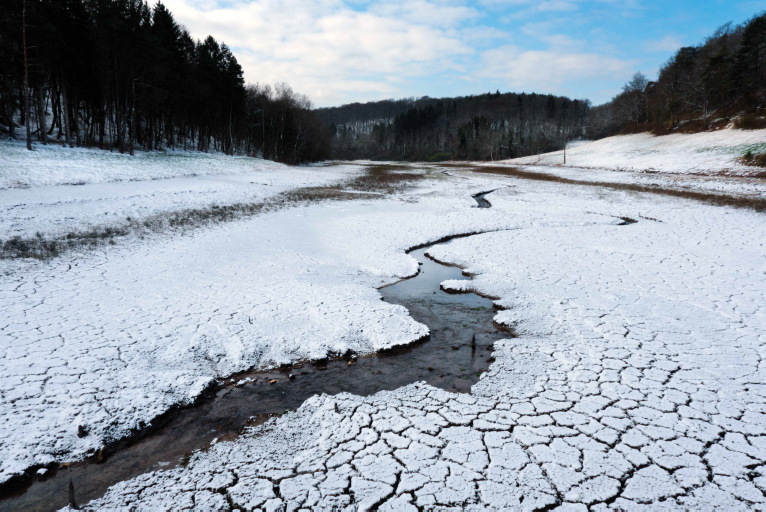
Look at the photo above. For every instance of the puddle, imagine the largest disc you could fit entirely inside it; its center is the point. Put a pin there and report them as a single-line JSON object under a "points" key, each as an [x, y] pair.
{"points": [[482, 200], [452, 358]]}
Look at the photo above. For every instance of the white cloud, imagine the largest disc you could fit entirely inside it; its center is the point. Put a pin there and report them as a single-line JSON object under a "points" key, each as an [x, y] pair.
{"points": [[337, 51], [549, 71], [436, 13], [325, 48], [563, 42], [666, 44]]}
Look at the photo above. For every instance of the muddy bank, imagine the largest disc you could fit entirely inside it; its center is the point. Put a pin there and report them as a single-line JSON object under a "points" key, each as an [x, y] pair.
{"points": [[453, 357]]}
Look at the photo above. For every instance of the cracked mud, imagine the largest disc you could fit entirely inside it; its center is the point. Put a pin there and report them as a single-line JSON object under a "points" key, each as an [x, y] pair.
{"points": [[636, 380], [457, 350]]}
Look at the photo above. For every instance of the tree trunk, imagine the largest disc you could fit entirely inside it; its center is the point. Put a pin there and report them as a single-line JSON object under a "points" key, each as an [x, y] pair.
{"points": [[65, 111], [11, 124], [41, 115], [101, 128], [26, 73], [56, 114], [75, 121]]}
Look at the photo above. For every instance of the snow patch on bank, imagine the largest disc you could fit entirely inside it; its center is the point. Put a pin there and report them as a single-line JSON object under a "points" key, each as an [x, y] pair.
{"points": [[55, 164], [698, 153], [55, 191], [115, 337]]}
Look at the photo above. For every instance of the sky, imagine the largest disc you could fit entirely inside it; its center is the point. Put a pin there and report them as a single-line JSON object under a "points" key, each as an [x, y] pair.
{"points": [[343, 51]]}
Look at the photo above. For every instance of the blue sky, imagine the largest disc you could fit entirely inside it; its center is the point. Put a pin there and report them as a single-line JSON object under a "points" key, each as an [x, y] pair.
{"points": [[339, 51]]}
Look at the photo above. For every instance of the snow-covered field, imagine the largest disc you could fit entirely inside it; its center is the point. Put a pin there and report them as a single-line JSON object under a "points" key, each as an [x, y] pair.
{"points": [[726, 185], [637, 378], [699, 153], [55, 191], [57, 165]]}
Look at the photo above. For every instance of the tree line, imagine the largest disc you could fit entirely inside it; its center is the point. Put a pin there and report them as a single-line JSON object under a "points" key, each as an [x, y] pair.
{"points": [[119, 74], [698, 87], [490, 126]]}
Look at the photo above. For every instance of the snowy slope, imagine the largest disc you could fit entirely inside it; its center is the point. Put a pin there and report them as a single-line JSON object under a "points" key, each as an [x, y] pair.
{"points": [[55, 191], [57, 165], [700, 153], [638, 379]]}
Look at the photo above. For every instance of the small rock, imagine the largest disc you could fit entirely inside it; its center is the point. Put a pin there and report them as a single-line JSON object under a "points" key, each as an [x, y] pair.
{"points": [[82, 431], [272, 381]]}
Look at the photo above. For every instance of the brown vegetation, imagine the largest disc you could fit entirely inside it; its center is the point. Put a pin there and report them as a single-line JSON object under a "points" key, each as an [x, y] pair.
{"points": [[750, 122]]}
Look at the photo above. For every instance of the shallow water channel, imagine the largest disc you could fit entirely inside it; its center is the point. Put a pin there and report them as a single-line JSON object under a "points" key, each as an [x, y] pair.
{"points": [[452, 358]]}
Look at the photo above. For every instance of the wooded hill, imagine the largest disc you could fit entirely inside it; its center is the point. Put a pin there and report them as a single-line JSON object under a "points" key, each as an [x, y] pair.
{"points": [[710, 83], [119, 74], [490, 126]]}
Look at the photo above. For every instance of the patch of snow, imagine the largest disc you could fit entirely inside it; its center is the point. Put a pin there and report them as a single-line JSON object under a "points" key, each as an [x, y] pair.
{"points": [[114, 338], [54, 190], [699, 153], [58, 165]]}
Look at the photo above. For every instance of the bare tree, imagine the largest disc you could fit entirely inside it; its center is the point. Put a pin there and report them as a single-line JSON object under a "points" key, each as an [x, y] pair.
{"points": [[26, 73], [631, 103]]}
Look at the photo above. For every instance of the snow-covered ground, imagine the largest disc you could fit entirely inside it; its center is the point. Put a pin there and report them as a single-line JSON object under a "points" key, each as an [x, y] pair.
{"points": [[699, 153], [638, 376], [726, 185], [55, 190], [114, 338], [638, 379], [55, 164]]}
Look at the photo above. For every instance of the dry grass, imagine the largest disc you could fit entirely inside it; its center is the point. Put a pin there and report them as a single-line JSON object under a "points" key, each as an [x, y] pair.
{"points": [[754, 160], [386, 179], [750, 122]]}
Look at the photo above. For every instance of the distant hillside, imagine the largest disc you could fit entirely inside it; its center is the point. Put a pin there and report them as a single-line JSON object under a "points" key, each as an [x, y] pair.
{"points": [[699, 88], [485, 127]]}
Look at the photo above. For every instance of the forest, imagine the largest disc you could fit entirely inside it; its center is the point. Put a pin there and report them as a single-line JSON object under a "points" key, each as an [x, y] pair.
{"points": [[121, 75], [490, 126]]}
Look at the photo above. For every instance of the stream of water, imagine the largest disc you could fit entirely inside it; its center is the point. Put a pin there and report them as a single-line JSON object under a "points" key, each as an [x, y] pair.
{"points": [[452, 357]]}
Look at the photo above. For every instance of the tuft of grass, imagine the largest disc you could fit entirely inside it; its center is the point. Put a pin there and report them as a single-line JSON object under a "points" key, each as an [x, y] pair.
{"points": [[440, 157], [750, 122], [753, 159]]}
